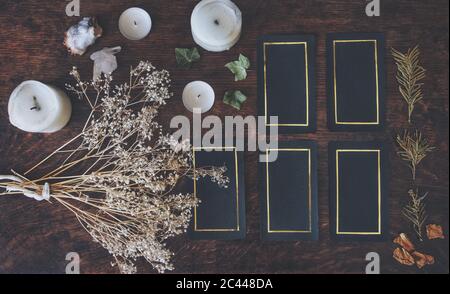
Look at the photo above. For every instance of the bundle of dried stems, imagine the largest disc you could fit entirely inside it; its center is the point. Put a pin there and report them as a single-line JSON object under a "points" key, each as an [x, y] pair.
{"points": [[119, 176]]}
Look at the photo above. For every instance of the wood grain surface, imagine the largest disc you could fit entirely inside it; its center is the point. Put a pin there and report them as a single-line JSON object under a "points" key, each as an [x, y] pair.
{"points": [[35, 237]]}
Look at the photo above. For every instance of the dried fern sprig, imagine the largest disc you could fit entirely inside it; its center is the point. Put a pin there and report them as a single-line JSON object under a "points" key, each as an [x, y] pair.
{"points": [[413, 149], [409, 75], [415, 212]]}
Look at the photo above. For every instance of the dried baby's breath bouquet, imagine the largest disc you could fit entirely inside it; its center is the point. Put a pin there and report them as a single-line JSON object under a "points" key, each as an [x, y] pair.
{"points": [[119, 175]]}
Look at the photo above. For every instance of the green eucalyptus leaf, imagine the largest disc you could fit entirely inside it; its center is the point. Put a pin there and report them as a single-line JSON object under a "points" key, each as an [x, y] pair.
{"points": [[186, 56], [239, 67], [234, 99]]}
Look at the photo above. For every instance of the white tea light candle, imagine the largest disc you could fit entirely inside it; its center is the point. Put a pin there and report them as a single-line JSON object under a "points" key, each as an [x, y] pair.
{"points": [[216, 24], [38, 108], [135, 23], [198, 95]]}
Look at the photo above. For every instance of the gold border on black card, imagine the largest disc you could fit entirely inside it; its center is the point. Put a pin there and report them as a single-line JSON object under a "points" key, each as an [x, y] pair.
{"points": [[378, 151], [237, 228], [309, 229], [307, 84], [377, 122]]}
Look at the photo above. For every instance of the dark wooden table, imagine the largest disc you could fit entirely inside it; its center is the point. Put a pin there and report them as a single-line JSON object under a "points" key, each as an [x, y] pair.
{"points": [[35, 237]]}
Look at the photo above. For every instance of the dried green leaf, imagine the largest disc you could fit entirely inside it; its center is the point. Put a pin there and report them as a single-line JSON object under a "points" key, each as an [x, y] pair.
{"points": [[186, 56], [234, 99], [245, 62], [239, 67]]}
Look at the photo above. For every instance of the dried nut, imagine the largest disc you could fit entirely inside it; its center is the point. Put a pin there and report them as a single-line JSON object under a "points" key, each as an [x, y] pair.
{"points": [[422, 259], [403, 241], [435, 232], [403, 256]]}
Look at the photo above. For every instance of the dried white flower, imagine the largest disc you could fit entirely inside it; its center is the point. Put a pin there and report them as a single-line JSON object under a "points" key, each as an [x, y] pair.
{"points": [[119, 174]]}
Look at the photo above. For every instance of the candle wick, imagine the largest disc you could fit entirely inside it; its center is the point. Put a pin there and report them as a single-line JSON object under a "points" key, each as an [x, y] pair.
{"points": [[135, 23], [217, 22], [199, 96], [36, 105]]}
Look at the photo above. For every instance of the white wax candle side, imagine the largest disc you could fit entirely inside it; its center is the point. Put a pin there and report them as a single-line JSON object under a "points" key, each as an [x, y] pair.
{"points": [[38, 108]]}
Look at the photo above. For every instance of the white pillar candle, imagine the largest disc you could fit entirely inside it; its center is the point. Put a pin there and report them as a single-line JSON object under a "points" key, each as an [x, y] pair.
{"points": [[135, 23], [216, 24], [198, 95], [38, 108]]}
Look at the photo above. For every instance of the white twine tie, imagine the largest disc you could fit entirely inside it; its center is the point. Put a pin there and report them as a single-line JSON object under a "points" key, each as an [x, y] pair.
{"points": [[16, 189]]}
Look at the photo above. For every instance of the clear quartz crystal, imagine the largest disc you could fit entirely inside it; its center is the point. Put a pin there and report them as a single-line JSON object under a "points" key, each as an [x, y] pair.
{"points": [[105, 61]]}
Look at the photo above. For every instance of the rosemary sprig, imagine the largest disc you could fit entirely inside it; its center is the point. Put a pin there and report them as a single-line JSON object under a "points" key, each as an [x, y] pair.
{"points": [[409, 75], [413, 149], [415, 212]]}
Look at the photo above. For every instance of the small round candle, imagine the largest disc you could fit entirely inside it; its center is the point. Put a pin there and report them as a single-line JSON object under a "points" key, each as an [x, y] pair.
{"points": [[198, 95], [135, 23], [39, 108], [216, 24]]}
